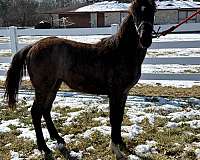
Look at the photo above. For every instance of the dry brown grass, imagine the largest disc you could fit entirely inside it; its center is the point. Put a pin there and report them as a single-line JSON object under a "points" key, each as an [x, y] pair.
{"points": [[140, 90]]}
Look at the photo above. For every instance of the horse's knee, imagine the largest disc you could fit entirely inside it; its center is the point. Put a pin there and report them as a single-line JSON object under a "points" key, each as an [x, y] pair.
{"points": [[36, 113]]}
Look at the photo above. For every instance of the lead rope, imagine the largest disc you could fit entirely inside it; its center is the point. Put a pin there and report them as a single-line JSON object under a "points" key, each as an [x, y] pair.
{"points": [[171, 29]]}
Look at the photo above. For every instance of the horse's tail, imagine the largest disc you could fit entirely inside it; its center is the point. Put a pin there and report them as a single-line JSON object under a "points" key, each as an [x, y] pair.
{"points": [[14, 75]]}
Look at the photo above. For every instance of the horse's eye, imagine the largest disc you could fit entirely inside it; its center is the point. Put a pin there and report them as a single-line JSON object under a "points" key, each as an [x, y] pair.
{"points": [[143, 8]]}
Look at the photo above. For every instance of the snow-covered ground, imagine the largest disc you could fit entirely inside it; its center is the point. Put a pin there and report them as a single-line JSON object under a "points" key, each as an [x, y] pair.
{"points": [[177, 111]]}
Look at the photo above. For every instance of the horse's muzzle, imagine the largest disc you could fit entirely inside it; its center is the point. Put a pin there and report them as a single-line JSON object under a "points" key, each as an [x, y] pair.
{"points": [[145, 40]]}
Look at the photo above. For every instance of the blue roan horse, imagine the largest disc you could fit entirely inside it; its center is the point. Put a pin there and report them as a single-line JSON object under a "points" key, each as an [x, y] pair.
{"points": [[111, 67]]}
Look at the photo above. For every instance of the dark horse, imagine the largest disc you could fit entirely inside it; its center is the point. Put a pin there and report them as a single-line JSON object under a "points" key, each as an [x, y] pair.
{"points": [[111, 67]]}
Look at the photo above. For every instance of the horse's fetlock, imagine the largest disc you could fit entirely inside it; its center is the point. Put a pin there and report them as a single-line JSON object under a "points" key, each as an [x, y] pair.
{"points": [[115, 149], [60, 140]]}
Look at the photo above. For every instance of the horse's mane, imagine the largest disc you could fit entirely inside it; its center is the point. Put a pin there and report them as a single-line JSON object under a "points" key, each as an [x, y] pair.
{"points": [[127, 30]]}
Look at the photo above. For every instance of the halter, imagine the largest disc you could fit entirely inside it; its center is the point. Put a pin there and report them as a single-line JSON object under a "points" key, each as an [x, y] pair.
{"points": [[138, 30], [143, 23]]}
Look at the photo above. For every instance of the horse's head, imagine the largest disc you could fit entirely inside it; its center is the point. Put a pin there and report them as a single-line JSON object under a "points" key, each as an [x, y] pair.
{"points": [[143, 13]]}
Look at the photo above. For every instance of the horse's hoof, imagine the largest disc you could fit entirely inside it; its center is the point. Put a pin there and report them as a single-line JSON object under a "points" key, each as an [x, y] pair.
{"points": [[116, 150]]}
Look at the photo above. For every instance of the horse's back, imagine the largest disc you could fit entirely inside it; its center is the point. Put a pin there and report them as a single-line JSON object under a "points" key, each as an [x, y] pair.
{"points": [[55, 58], [45, 60]]}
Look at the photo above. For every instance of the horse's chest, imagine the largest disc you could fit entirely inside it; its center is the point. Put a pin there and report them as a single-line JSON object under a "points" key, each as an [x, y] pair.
{"points": [[129, 76]]}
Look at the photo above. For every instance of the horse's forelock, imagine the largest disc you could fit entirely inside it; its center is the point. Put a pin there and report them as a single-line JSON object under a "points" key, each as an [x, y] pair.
{"points": [[137, 3]]}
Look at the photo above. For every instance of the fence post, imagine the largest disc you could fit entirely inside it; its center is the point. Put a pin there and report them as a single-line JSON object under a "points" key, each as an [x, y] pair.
{"points": [[13, 39], [114, 28]]}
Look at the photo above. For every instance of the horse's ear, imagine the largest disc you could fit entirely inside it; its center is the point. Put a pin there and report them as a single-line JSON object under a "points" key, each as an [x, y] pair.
{"points": [[151, 2], [134, 1], [131, 8]]}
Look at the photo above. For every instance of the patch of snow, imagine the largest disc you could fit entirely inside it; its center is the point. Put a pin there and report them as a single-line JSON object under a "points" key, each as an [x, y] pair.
{"points": [[172, 125], [30, 134], [35, 155], [193, 124], [55, 115], [4, 125], [69, 138], [197, 152], [151, 143], [15, 155], [194, 101], [89, 149], [170, 68], [105, 130], [72, 116], [138, 117], [196, 144], [77, 155], [142, 150], [103, 120], [133, 157], [134, 131], [135, 118], [9, 144], [178, 116]]}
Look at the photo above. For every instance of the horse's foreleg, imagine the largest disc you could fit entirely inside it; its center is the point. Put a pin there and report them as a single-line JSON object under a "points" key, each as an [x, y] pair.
{"points": [[117, 104]]}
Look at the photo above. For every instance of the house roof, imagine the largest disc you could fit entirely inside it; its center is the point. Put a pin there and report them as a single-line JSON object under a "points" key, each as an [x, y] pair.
{"points": [[114, 6], [174, 4], [104, 6]]}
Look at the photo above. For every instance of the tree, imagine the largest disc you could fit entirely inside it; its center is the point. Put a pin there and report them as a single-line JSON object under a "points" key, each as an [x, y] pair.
{"points": [[22, 12], [47, 5], [4, 7]]}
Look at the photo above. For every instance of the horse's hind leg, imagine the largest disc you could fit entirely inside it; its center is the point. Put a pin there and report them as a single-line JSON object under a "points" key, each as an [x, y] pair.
{"points": [[36, 112], [44, 97], [50, 126], [46, 113]]}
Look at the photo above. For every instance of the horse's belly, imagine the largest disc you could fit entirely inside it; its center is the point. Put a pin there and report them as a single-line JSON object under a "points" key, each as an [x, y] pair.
{"points": [[89, 88], [86, 84]]}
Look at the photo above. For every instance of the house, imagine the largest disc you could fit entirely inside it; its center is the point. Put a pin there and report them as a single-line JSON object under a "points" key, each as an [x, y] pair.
{"points": [[106, 13], [172, 12]]}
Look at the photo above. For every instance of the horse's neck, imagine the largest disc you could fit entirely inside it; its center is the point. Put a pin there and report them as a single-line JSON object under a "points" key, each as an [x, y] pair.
{"points": [[127, 34], [128, 39]]}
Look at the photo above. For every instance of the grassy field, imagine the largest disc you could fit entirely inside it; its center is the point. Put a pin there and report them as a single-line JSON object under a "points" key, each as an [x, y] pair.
{"points": [[154, 127]]}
